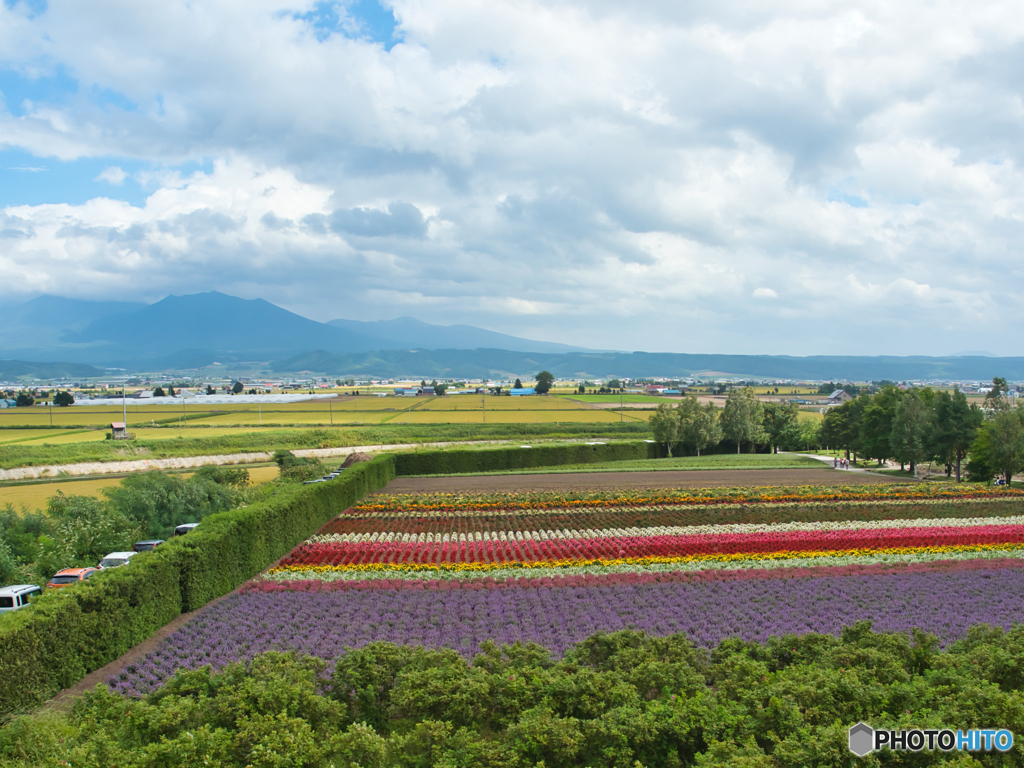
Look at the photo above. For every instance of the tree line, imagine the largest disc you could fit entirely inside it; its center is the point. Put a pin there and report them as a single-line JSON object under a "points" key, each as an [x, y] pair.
{"points": [[745, 422], [909, 426], [921, 424]]}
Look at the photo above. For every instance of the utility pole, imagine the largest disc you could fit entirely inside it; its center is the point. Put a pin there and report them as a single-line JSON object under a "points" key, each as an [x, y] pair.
{"points": [[483, 404], [330, 405]]}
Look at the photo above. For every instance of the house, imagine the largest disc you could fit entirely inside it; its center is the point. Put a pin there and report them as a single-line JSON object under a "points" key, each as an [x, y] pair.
{"points": [[839, 396]]}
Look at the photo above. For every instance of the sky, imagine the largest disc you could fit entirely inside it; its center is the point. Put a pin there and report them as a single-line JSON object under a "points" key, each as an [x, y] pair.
{"points": [[798, 177]]}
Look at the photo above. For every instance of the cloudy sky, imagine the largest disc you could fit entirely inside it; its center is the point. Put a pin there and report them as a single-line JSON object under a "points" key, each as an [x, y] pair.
{"points": [[797, 177]]}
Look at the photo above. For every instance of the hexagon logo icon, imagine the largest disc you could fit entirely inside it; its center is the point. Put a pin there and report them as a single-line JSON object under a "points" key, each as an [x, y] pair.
{"points": [[862, 738]]}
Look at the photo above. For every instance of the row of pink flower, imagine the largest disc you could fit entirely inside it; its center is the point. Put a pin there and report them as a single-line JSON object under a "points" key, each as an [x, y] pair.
{"points": [[586, 580], [531, 550]]}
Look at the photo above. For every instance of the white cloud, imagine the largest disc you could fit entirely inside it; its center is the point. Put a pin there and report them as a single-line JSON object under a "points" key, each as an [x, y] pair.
{"points": [[568, 170], [112, 175]]}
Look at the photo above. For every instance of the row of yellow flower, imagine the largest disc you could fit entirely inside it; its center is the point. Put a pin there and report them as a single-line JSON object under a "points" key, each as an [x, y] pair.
{"points": [[642, 561], [756, 495]]}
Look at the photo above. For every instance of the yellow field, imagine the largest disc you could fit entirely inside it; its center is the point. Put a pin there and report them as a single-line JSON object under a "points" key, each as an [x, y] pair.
{"points": [[586, 416], [33, 497], [287, 418], [478, 402]]}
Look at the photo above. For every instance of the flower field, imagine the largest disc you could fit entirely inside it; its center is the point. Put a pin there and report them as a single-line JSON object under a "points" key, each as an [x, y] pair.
{"points": [[455, 571]]}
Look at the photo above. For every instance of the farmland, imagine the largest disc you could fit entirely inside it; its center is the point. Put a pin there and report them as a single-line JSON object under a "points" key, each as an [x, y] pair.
{"points": [[455, 571]]}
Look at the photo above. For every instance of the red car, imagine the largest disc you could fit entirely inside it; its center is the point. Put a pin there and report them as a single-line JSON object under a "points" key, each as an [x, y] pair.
{"points": [[67, 576]]}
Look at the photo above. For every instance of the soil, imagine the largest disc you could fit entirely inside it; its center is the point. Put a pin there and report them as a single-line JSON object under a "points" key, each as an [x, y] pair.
{"points": [[711, 478]]}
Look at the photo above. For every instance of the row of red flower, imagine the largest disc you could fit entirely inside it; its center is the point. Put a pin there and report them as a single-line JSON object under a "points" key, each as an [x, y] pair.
{"points": [[532, 550]]}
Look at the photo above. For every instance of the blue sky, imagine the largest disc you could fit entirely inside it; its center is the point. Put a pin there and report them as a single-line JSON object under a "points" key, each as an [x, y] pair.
{"points": [[705, 177]]}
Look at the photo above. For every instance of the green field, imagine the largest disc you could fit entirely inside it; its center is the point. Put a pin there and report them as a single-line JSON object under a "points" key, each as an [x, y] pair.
{"points": [[653, 399]]}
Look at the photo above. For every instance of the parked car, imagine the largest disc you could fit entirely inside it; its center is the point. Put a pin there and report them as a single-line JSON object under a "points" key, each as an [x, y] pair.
{"points": [[67, 576], [148, 544], [115, 559], [18, 596], [184, 528]]}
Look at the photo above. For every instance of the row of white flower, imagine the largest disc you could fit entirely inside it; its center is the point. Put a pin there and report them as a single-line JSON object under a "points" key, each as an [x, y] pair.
{"points": [[662, 530], [343, 574]]}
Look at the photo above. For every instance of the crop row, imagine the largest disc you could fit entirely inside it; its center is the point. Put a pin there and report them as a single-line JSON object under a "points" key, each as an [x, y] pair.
{"points": [[756, 495], [325, 623], [466, 522], [526, 549]]}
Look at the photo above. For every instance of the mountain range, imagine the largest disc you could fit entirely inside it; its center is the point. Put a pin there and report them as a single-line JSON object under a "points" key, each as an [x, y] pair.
{"points": [[200, 329], [497, 363]]}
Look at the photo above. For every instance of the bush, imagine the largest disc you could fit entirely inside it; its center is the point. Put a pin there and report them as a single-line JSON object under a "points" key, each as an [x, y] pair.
{"points": [[461, 461], [70, 632]]}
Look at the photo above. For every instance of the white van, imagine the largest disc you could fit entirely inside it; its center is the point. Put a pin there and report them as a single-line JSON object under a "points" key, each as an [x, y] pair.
{"points": [[114, 559], [18, 596]]}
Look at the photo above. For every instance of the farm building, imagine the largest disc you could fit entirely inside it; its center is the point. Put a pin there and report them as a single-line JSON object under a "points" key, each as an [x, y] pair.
{"points": [[119, 431], [522, 391], [839, 396]]}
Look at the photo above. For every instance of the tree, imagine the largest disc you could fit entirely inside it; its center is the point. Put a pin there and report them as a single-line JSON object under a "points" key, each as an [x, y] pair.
{"points": [[582, 389], [954, 428], [665, 424], [210, 390], [170, 391], [742, 417], [237, 388], [909, 430], [518, 384], [544, 382], [64, 399], [876, 423], [159, 392], [997, 399], [700, 425], [614, 384], [841, 426], [440, 389], [25, 400], [781, 424], [1002, 449]]}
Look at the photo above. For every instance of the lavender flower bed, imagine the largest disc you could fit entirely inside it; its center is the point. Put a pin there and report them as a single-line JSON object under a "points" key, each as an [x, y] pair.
{"points": [[326, 623]]}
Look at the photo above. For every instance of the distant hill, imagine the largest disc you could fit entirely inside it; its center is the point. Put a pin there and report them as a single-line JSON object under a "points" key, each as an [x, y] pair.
{"points": [[196, 330], [484, 363], [410, 333], [15, 369]]}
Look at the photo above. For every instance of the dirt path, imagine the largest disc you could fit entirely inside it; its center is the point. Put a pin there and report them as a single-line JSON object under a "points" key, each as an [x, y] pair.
{"points": [[666, 478], [186, 462]]}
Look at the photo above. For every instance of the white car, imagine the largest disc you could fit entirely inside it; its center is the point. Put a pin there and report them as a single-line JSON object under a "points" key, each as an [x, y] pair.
{"points": [[114, 559], [18, 596]]}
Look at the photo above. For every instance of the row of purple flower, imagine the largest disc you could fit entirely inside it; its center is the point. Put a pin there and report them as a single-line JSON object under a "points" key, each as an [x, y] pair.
{"points": [[324, 624]]}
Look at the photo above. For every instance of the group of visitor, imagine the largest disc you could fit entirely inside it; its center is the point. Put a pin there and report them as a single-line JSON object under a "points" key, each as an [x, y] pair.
{"points": [[838, 463]]}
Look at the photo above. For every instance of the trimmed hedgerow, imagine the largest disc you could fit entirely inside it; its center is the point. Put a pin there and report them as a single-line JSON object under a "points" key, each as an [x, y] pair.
{"points": [[70, 632], [464, 461]]}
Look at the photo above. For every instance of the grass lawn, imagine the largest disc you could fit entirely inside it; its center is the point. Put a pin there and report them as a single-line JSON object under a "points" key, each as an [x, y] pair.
{"points": [[716, 461]]}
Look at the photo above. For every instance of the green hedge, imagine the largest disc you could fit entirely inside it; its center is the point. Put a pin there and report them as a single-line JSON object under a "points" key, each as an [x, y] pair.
{"points": [[70, 632], [460, 461]]}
